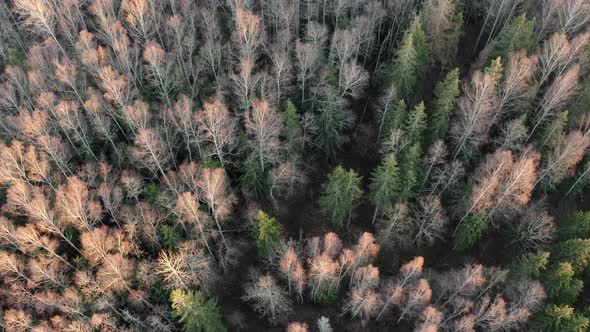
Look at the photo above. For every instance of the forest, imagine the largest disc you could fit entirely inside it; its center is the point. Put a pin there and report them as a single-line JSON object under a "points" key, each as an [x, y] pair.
{"points": [[294, 165]]}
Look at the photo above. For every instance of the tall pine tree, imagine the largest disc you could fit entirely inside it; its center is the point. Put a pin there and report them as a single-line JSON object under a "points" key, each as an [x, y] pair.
{"points": [[518, 35], [445, 99], [340, 194], [195, 312], [385, 185], [469, 231], [409, 64], [268, 233]]}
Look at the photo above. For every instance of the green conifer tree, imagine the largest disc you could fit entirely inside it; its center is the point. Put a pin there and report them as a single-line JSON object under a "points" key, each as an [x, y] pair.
{"points": [[385, 184], [392, 118], [575, 251], [561, 319], [530, 265], [268, 233], [411, 59], [331, 120], [292, 132], [495, 70], [575, 226], [195, 312], [340, 194], [411, 168], [253, 179], [415, 123], [518, 35], [445, 99], [552, 130], [469, 231], [421, 47], [562, 287]]}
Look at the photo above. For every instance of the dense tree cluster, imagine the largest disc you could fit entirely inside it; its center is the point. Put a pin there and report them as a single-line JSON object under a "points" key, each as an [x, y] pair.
{"points": [[206, 165]]}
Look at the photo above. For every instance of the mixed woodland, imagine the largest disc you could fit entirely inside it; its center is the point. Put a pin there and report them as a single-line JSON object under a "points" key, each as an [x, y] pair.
{"points": [[294, 165]]}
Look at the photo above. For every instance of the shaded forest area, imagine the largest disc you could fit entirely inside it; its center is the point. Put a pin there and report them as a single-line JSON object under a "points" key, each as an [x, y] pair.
{"points": [[294, 165]]}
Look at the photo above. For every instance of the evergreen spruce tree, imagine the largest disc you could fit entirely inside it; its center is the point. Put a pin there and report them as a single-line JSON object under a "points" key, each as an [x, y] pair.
{"points": [[411, 168], [292, 132], [340, 194], [331, 120], [575, 251], [421, 47], [469, 231], [562, 287], [411, 59], [495, 69], [268, 233], [552, 130], [253, 180], [561, 319], [385, 184], [530, 265], [195, 312], [582, 102], [415, 123], [575, 226], [445, 99], [518, 35], [393, 118]]}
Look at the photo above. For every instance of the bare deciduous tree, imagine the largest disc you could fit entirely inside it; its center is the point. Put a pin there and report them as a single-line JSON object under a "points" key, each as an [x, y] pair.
{"points": [[395, 227], [393, 294], [563, 158], [491, 314], [268, 299], [353, 79], [486, 179], [116, 86], [292, 269], [160, 68], [245, 82], [217, 128], [477, 107], [18, 320], [215, 191], [150, 151], [363, 304], [516, 187], [264, 125], [415, 300], [519, 73], [441, 30], [429, 320], [462, 282], [183, 119], [285, 178], [297, 327], [103, 241], [142, 16], [535, 228], [430, 221], [48, 272], [186, 268], [307, 55], [187, 208], [249, 33], [115, 273], [76, 206], [556, 96]]}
